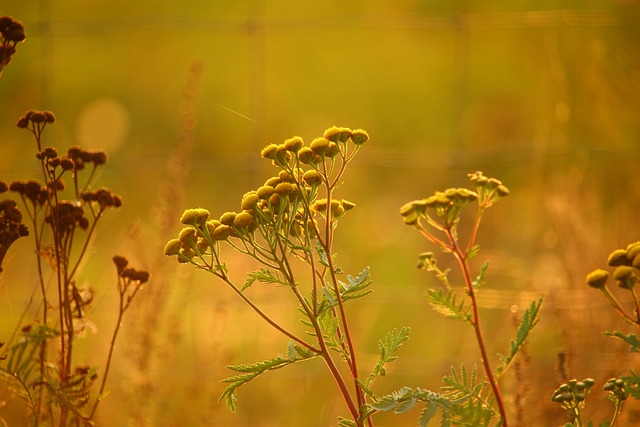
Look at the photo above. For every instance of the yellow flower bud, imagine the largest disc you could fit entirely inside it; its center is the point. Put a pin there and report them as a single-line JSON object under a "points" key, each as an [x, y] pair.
{"points": [[285, 188], [294, 144], [618, 257], [243, 219], [265, 191], [221, 232], [319, 146], [249, 200], [312, 177], [187, 237], [269, 152], [597, 278], [359, 136], [227, 218], [194, 216], [172, 247]]}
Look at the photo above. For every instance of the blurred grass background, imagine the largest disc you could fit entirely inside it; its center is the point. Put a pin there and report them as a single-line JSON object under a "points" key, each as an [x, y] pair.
{"points": [[543, 95]]}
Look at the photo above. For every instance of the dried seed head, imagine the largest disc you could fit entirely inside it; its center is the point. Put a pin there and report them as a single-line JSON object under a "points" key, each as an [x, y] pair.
{"points": [[120, 262], [50, 152]]}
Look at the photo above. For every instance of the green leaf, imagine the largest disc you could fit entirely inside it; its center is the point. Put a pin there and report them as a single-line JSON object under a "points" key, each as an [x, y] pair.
{"points": [[632, 382], [343, 422], [630, 339], [264, 275], [445, 302], [391, 343], [459, 388], [480, 279], [406, 398], [427, 413], [529, 321], [250, 371]]}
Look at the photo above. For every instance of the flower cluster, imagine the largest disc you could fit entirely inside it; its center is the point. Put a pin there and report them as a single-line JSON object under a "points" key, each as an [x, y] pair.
{"points": [[11, 33], [572, 394], [627, 268], [11, 226], [626, 273], [284, 208], [447, 205]]}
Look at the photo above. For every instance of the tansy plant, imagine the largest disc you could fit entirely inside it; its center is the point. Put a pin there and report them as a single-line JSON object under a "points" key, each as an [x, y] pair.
{"points": [[466, 399], [62, 212], [626, 274], [287, 225]]}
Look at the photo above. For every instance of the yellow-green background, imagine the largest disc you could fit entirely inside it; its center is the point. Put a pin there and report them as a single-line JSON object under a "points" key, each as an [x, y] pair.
{"points": [[543, 95]]}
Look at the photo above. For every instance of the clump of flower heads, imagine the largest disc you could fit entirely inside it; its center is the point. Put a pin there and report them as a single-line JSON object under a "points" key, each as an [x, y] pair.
{"points": [[442, 210], [626, 274], [286, 207], [290, 217], [11, 225], [572, 395], [11, 33]]}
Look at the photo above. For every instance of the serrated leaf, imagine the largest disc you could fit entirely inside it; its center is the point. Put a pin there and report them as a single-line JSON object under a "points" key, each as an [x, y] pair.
{"points": [[529, 321], [459, 388], [479, 281], [391, 343], [264, 275], [406, 398], [427, 413], [250, 371], [445, 302], [291, 351], [630, 339]]}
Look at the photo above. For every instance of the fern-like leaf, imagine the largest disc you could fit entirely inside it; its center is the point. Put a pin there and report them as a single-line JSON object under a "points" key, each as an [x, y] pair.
{"points": [[264, 275], [446, 303], [248, 372], [391, 343], [630, 339], [402, 400], [529, 320]]}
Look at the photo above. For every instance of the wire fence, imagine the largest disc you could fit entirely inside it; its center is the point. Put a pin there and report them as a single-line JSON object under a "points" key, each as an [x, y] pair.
{"points": [[420, 22]]}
